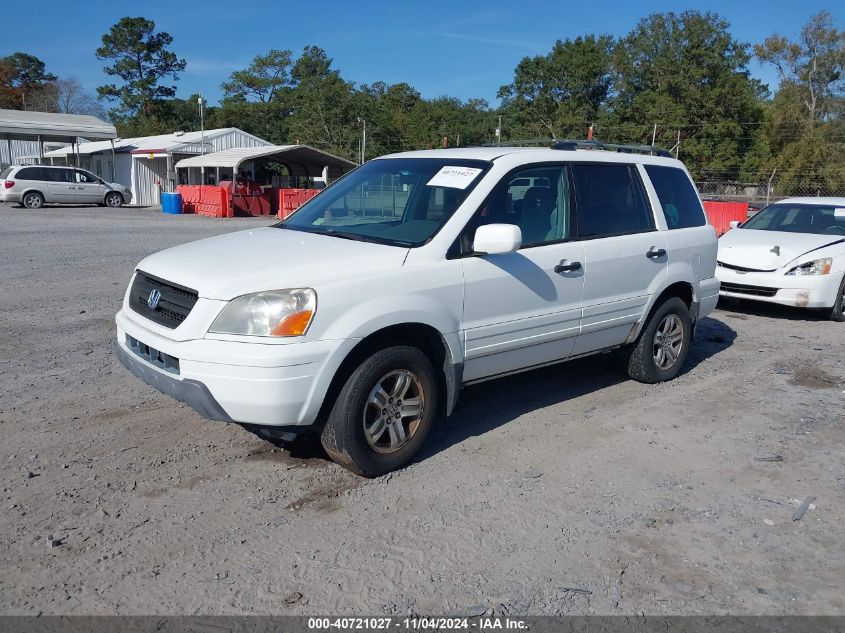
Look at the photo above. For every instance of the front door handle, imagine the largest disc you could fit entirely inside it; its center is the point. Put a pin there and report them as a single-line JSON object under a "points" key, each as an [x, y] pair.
{"points": [[654, 253], [567, 268]]}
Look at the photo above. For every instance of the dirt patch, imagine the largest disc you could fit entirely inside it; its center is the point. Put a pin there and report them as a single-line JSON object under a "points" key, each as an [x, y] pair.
{"points": [[814, 377]]}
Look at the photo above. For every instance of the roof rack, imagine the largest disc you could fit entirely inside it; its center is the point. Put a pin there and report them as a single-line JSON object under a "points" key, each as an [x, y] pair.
{"points": [[612, 147]]}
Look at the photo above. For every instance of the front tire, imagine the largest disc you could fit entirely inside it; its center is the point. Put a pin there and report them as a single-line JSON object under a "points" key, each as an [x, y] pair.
{"points": [[838, 311], [33, 200], [662, 347], [113, 200], [384, 412]]}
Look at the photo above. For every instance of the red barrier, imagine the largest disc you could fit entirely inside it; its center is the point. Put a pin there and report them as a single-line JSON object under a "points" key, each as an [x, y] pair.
{"points": [[207, 200], [291, 199], [721, 214], [249, 197]]}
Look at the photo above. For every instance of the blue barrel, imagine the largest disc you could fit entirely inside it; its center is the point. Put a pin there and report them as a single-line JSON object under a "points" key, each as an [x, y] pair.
{"points": [[171, 202]]}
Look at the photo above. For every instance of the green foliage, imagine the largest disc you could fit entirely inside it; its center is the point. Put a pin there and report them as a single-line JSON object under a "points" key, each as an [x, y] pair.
{"points": [[141, 59], [556, 95], [263, 80], [806, 127], [684, 72]]}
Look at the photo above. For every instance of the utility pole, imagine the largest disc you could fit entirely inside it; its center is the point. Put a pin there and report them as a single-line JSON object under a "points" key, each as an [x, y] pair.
{"points": [[362, 143], [202, 142], [202, 125], [499, 131], [654, 135]]}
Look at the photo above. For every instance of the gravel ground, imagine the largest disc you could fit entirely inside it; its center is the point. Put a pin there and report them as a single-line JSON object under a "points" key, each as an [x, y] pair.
{"points": [[569, 489]]}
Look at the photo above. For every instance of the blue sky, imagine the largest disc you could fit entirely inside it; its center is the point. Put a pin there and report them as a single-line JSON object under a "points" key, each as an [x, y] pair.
{"points": [[456, 48]]}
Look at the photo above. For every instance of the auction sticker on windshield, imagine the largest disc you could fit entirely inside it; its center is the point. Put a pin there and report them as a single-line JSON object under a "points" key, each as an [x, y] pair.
{"points": [[837, 213], [454, 177]]}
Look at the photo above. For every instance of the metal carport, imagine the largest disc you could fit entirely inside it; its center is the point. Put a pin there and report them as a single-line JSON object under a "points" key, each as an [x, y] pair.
{"points": [[21, 125], [299, 160]]}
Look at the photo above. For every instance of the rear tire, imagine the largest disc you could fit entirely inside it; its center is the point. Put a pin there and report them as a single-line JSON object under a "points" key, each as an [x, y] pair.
{"points": [[33, 200], [662, 347], [384, 412], [838, 311]]}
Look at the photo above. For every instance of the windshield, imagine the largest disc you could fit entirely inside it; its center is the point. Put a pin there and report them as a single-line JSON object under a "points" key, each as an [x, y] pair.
{"points": [[5, 172], [799, 218], [395, 201]]}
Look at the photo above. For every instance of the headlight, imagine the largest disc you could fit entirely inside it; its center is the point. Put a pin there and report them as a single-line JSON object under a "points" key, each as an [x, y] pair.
{"points": [[815, 267], [271, 313]]}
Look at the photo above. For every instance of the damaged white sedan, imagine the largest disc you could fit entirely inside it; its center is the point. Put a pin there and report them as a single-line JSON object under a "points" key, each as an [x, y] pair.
{"points": [[791, 253]]}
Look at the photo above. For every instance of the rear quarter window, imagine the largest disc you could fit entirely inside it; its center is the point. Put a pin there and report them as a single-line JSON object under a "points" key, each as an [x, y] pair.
{"points": [[30, 173], [678, 199]]}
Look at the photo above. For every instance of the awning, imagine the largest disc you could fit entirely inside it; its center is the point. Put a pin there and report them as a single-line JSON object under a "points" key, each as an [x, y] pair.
{"points": [[27, 125], [300, 158]]}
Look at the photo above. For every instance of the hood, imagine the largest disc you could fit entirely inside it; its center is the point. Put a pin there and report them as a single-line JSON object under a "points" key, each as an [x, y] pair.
{"points": [[235, 264], [768, 250]]}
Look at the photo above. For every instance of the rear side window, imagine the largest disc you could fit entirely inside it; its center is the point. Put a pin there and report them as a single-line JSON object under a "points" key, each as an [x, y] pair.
{"points": [[609, 200], [31, 173], [680, 203]]}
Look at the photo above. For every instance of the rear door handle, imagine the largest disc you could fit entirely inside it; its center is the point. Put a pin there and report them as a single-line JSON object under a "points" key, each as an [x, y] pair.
{"points": [[654, 253], [567, 268]]}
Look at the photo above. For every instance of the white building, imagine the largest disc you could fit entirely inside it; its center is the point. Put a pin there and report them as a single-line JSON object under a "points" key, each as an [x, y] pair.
{"points": [[146, 164]]}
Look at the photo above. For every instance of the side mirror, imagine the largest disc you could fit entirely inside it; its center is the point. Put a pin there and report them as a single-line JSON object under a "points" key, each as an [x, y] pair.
{"points": [[735, 223], [497, 239]]}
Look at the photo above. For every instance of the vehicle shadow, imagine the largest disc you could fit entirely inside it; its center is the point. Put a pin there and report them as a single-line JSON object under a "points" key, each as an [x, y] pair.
{"points": [[771, 310], [488, 405]]}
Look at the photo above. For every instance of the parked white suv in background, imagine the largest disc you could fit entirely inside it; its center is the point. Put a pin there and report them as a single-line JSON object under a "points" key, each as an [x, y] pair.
{"points": [[34, 185], [360, 316]]}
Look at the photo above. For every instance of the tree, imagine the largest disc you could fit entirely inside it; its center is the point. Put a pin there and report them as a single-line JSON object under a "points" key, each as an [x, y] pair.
{"points": [[685, 72], [263, 79], [806, 123], [141, 59], [24, 78], [70, 97], [323, 111], [562, 92], [814, 65]]}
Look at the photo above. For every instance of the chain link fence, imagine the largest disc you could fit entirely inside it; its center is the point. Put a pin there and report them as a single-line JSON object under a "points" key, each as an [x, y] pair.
{"points": [[758, 195]]}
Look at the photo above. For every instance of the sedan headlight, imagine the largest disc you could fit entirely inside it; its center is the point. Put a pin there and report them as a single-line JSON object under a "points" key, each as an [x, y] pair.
{"points": [[815, 267], [270, 313]]}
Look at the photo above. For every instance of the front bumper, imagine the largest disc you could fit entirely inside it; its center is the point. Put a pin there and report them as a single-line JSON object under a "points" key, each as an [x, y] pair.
{"points": [[810, 291], [249, 383]]}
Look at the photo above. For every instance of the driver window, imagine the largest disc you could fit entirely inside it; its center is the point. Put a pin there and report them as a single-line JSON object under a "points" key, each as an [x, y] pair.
{"points": [[81, 176], [536, 199]]}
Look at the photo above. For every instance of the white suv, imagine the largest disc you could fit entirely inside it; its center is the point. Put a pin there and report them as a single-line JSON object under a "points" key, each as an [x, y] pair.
{"points": [[362, 315], [34, 185]]}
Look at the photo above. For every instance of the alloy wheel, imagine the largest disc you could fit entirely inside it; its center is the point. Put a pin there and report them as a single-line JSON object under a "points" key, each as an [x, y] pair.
{"points": [[393, 411], [668, 341]]}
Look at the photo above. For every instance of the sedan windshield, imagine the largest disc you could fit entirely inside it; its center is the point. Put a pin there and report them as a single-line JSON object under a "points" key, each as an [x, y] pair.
{"points": [[395, 201], [799, 218]]}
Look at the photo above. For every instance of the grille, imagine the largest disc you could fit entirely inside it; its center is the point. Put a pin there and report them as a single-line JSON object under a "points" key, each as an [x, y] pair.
{"points": [[174, 306], [743, 269], [154, 356], [743, 289]]}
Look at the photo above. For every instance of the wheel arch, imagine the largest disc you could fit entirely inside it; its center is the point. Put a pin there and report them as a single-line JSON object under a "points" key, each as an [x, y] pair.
{"points": [[683, 290], [423, 336]]}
